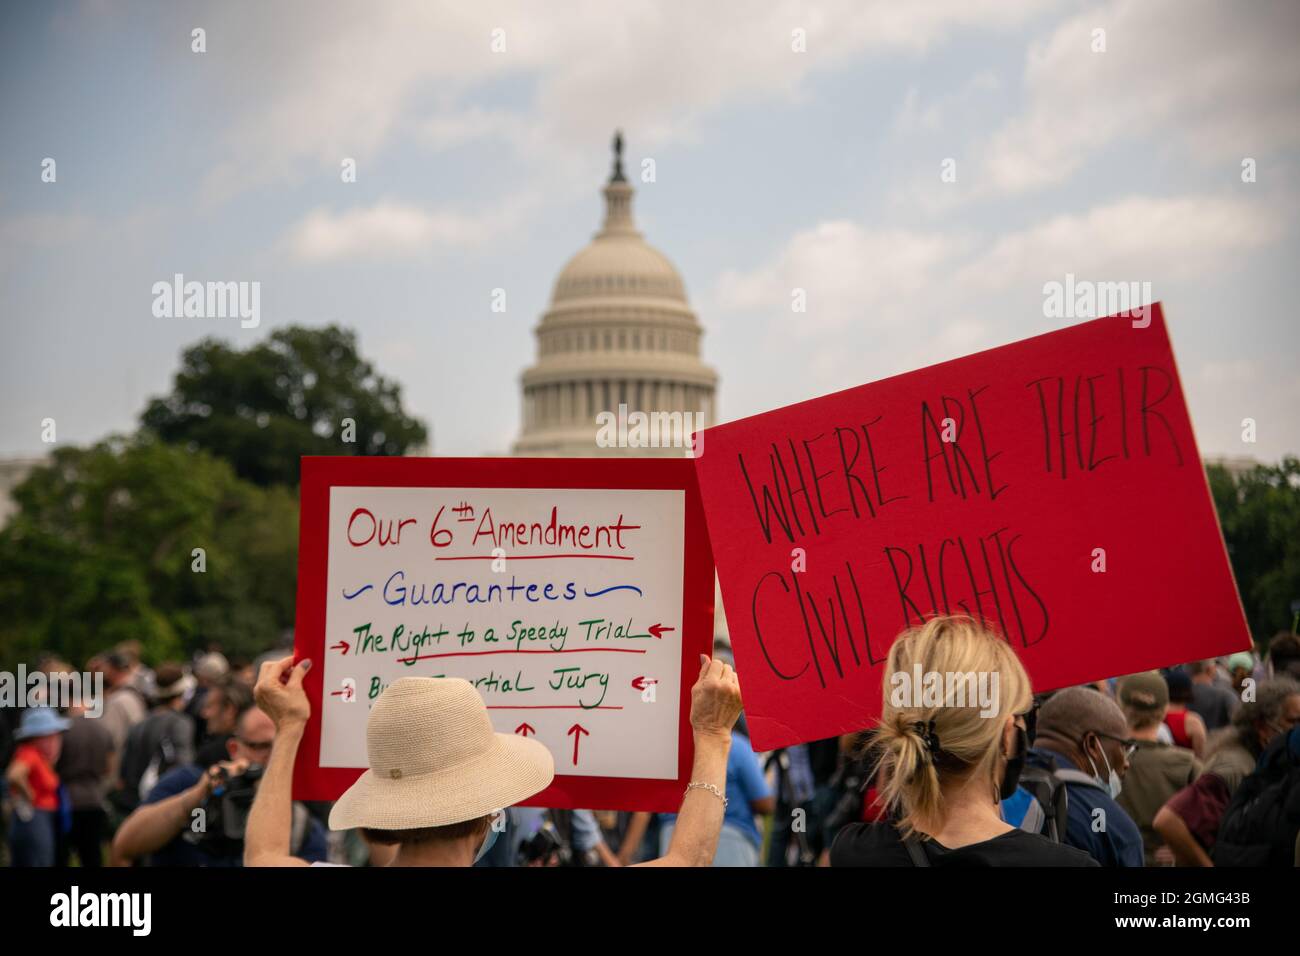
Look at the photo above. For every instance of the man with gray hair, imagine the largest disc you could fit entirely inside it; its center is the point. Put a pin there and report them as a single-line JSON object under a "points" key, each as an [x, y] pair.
{"points": [[1083, 742]]}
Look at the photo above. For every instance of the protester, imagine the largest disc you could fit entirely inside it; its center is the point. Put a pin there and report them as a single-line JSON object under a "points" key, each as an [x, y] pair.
{"points": [[1185, 726], [945, 768], [1156, 770], [1284, 656], [1083, 742], [747, 796], [85, 765], [1190, 821], [124, 706], [1240, 667], [138, 675], [209, 669], [225, 702], [1211, 699], [34, 788], [805, 796], [163, 740], [439, 776], [1261, 826], [163, 827]]}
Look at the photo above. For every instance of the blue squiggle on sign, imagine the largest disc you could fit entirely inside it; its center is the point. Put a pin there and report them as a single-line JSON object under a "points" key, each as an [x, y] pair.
{"points": [[363, 590], [616, 587]]}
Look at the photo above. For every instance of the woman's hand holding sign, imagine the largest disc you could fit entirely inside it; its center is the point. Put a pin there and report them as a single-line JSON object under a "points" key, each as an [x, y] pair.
{"points": [[715, 699], [279, 692], [715, 706]]}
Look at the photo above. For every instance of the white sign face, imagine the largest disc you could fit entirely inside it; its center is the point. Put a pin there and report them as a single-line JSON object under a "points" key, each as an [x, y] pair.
{"points": [[563, 607]]}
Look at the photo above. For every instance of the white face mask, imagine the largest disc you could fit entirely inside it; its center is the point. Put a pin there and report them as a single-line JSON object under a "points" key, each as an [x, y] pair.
{"points": [[1113, 782], [492, 834]]}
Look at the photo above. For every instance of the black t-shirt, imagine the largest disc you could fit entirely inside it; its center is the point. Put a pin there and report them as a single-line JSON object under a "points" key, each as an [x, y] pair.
{"points": [[879, 844]]}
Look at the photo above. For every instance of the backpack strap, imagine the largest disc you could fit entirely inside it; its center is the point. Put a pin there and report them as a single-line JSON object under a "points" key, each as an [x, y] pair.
{"points": [[1034, 818], [914, 849], [1067, 775]]}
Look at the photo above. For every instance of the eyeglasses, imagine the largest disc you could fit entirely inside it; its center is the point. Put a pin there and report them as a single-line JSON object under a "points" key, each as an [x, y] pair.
{"points": [[257, 746], [1130, 745]]}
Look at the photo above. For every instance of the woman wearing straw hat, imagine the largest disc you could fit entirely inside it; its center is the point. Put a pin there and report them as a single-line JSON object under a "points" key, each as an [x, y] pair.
{"points": [[439, 774]]}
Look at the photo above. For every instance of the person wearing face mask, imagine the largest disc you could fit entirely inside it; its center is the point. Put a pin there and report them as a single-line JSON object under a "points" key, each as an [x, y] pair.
{"points": [[440, 776], [944, 764], [1083, 741]]}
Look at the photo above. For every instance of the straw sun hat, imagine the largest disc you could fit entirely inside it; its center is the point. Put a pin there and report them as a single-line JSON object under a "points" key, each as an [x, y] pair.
{"points": [[435, 760]]}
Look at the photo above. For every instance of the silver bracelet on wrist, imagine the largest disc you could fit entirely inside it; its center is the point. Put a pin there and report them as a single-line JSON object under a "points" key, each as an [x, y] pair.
{"points": [[696, 785]]}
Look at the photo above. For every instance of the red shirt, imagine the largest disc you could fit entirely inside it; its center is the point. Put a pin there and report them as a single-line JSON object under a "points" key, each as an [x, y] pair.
{"points": [[41, 778], [1176, 721]]}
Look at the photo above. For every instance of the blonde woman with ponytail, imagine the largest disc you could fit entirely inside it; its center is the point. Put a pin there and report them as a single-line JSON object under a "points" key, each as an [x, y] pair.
{"points": [[949, 746]]}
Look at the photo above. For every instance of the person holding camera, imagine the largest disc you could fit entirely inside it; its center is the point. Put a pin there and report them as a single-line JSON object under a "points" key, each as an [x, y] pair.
{"points": [[196, 817]]}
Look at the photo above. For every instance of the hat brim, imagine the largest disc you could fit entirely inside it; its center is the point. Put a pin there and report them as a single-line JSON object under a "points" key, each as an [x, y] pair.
{"points": [[62, 725], [512, 769]]}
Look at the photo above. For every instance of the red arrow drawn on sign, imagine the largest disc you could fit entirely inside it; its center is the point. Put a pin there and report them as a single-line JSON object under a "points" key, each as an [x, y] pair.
{"points": [[658, 630], [338, 693], [578, 731], [641, 683], [341, 644], [525, 729]]}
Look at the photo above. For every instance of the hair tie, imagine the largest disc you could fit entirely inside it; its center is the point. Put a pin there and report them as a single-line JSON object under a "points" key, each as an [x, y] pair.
{"points": [[928, 736]]}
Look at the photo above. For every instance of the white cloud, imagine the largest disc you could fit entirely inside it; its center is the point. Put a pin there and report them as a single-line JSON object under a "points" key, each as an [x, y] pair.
{"points": [[895, 300], [849, 272], [1138, 238], [1221, 78], [385, 230], [316, 82]]}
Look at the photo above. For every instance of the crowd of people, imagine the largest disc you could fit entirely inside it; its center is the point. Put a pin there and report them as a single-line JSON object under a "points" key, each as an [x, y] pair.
{"points": [[190, 764]]}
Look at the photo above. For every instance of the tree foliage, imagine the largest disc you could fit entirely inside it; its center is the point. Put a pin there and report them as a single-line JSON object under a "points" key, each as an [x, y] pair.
{"points": [[101, 549], [1260, 515], [262, 408]]}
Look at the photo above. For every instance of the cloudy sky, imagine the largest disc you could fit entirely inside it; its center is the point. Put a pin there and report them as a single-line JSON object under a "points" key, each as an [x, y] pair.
{"points": [[775, 168]]}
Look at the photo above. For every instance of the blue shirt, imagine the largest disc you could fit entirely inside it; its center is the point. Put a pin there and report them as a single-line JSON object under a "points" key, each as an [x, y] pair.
{"points": [[745, 783], [1119, 843], [180, 852]]}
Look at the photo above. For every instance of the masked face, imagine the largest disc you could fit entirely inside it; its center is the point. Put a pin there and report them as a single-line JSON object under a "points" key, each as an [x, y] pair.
{"points": [[495, 825], [1015, 764], [1112, 780]]}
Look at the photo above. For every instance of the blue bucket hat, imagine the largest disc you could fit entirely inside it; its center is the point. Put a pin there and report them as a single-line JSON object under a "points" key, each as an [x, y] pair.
{"points": [[41, 722]]}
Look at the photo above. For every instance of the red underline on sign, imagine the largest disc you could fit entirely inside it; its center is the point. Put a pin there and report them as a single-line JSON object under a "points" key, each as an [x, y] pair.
{"points": [[540, 557], [550, 707], [575, 650]]}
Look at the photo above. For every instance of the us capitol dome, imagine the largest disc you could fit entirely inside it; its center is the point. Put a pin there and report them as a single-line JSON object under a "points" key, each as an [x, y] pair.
{"points": [[619, 331]]}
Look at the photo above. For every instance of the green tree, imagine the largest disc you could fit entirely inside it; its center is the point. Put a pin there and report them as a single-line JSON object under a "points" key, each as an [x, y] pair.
{"points": [[1260, 515], [101, 548], [288, 396]]}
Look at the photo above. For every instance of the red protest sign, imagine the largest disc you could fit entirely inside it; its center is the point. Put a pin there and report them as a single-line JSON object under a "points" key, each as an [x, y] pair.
{"points": [[1051, 487], [576, 595]]}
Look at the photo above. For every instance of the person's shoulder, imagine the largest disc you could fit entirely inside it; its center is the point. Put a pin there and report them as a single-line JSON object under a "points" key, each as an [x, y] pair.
{"points": [[1230, 760], [1038, 850], [26, 754], [175, 781], [868, 844]]}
